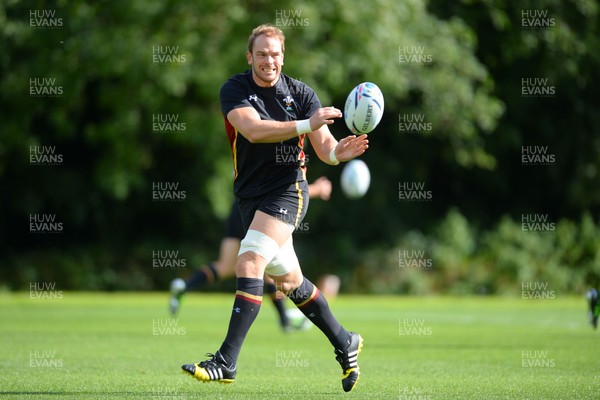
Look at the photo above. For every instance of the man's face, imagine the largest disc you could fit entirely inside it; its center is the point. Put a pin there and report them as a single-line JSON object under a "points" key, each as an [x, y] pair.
{"points": [[266, 60]]}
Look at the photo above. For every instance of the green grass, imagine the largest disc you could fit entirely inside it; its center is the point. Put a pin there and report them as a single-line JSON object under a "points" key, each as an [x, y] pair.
{"points": [[99, 346]]}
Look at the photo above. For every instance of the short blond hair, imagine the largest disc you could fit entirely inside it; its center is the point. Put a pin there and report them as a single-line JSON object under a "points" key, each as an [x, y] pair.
{"points": [[268, 30]]}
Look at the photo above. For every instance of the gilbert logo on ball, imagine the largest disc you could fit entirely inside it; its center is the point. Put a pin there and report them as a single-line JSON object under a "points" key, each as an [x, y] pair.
{"points": [[356, 179], [364, 108]]}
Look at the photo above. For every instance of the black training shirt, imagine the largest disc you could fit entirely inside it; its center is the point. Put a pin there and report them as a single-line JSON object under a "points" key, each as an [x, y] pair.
{"points": [[262, 167]]}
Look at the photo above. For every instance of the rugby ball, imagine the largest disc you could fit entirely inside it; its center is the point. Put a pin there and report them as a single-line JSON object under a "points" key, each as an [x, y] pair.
{"points": [[355, 179], [364, 108]]}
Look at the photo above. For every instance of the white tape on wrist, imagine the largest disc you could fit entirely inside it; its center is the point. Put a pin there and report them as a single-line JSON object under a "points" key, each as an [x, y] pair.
{"points": [[303, 126], [332, 157]]}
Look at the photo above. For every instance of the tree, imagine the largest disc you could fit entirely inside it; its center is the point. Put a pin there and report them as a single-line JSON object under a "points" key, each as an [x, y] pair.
{"points": [[124, 67]]}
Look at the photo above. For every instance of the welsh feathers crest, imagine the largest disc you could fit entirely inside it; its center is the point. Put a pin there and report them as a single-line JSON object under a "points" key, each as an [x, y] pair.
{"points": [[288, 100]]}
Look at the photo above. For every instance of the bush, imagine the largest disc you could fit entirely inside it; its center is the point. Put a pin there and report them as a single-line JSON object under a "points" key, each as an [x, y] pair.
{"points": [[456, 259]]}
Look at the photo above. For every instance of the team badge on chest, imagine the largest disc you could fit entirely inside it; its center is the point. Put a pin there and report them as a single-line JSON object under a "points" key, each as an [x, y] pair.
{"points": [[288, 100]]}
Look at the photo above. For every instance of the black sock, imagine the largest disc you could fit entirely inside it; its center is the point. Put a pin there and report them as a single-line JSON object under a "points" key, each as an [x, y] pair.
{"points": [[313, 304], [208, 274], [246, 305], [271, 289]]}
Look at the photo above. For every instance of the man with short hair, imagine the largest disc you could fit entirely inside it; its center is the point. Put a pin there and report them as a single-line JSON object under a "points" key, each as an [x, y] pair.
{"points": [[267, 114]]}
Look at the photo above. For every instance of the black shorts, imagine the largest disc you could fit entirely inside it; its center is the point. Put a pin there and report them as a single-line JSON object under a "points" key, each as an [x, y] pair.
{"points": [[288, 203], [234, 227]]}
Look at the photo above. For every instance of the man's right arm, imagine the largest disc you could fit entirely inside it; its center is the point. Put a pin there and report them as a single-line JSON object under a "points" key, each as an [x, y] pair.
{"points": [[247, 121]]}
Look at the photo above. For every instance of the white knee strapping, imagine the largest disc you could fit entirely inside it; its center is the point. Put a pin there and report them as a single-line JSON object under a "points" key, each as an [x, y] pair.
{"points": [[285, 260], [260, 244]]}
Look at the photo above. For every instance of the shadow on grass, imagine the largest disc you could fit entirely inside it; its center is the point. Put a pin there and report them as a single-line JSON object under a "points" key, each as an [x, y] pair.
{"points": [[149, 395], [78, 393], [449, 346]]}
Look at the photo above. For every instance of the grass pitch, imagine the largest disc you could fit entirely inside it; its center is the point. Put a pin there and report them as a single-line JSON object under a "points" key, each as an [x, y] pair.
{"points": [[113, 346]]}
